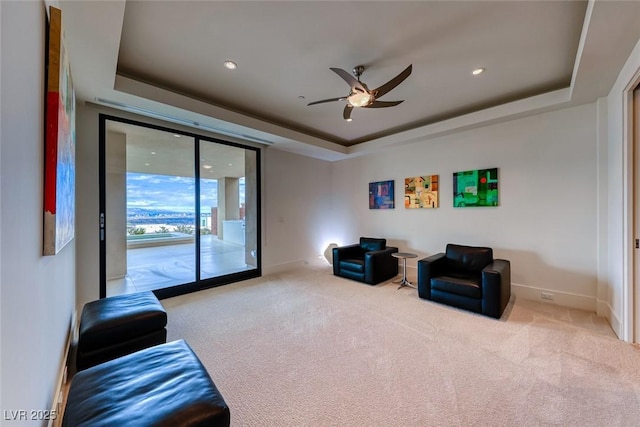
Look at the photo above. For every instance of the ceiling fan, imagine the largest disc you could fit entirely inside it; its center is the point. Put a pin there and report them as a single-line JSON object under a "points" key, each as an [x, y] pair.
{"points": [[360, 96]]}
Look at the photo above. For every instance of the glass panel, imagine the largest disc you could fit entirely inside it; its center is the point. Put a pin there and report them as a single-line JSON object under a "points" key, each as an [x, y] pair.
{"points": [[225, 238], [152, 236], [150, 209]]}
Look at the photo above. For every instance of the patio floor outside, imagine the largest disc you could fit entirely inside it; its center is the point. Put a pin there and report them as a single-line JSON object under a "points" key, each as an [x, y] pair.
{"points": [[157, 267]]}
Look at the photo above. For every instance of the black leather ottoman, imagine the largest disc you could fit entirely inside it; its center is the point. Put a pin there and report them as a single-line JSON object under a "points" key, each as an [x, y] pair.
{"points": [[165, 385], [116, 326]]}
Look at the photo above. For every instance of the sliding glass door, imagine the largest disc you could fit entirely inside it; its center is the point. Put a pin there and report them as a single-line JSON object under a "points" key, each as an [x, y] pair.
{"points": [[178, 212], [228, 210]]}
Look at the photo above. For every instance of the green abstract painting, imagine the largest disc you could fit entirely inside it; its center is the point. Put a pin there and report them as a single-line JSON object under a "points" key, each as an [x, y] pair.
{"points": [[475, 188]]}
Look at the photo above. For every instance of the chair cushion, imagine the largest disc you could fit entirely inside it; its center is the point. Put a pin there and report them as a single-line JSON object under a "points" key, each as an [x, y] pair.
{"points": [[465, 286], [372, 244], [356, 265], [468, 258]]}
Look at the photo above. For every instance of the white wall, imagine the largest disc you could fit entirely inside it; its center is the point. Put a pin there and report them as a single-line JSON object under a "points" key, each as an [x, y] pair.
{"points": [[604, 289], [619, 201], [116, 202], [297, 209], [37, 293], [545, 224], [88, 206]]}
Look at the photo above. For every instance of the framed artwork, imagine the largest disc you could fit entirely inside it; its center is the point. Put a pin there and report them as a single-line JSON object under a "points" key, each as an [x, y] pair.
{"points": [[475, 188], [59, 159], [381, 195], [421, 192]]}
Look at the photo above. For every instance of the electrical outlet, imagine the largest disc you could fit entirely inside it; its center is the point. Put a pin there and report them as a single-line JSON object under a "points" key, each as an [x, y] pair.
{"points": [[546, 295]]}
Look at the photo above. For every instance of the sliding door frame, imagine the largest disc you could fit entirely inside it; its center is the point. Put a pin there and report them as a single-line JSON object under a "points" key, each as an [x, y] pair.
{"points": [[198, 284]]}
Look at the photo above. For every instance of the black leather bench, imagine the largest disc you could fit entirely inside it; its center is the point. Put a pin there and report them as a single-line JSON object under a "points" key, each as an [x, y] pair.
{"points": [[165, 385], [119, 325]]}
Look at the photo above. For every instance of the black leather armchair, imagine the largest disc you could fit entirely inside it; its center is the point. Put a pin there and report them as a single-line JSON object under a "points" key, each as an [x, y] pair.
{"points": [[466, 277], [370, 261]]}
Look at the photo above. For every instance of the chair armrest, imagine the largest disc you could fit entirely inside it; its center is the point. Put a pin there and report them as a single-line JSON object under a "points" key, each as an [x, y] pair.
{"points": [[379, 264], [427, 268], [345, 252], [496, 287]]}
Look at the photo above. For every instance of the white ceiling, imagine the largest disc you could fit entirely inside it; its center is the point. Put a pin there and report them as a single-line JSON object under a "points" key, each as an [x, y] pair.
{"points": [[152, 151], [167, 57]]}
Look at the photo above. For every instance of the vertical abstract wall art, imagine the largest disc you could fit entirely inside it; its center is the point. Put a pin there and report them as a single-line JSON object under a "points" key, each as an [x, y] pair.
{"points": [[421, 192], [381, 195], [475, 188], [59, 159]]}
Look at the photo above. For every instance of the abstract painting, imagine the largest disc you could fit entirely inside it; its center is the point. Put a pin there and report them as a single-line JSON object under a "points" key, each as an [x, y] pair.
{"points": [[59, 159], [381, 195], [421, 192], [475, 188]]}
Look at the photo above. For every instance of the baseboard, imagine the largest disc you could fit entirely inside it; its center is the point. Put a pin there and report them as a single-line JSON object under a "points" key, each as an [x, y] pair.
{"points": [[552, 296], [565, 299], [605, 310], [57, 405]]}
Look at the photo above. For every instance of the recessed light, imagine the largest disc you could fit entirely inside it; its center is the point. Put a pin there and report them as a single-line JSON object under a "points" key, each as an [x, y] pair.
{"points": [[206, 166], [177, 136], [153, 152], [349, 119], [230, 164], [477, 71], [147, 164], [230, 65]]}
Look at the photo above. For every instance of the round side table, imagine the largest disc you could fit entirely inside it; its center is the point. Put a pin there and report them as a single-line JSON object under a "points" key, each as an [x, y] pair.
{"points": [[404, 255]]}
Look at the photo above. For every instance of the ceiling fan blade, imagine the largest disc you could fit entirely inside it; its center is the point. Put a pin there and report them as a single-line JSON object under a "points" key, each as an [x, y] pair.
{"points": [[346, 114], [385, 88], [383, 104], [342, 98], [351, 81]]}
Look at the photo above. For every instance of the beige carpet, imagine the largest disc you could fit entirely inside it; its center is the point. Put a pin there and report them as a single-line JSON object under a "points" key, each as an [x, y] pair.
{"points": [[305, 348]]}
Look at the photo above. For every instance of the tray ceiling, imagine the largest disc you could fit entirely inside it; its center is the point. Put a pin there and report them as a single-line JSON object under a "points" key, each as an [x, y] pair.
{"points": [[168, 57]]}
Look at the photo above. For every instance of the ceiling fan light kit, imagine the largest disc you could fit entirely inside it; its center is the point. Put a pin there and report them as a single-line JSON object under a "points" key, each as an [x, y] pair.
{"points": [[359, 94], [360, 99]]}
